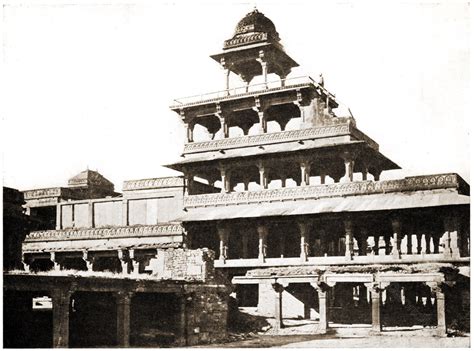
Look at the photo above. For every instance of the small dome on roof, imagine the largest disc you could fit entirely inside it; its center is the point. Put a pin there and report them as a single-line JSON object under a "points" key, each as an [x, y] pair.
{"points": [[88, 177], [256, 21]]}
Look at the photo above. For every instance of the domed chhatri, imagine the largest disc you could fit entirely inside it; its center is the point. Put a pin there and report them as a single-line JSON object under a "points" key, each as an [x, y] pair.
{"points": [[253, 28], [255, 50], [256, 21]]}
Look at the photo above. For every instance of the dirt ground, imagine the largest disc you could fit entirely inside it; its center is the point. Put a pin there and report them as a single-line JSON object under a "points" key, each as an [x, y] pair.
{"points": [[329, 341]]}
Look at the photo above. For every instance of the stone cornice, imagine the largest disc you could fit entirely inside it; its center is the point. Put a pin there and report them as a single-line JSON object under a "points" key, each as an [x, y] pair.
{"points": [[106, 233], [247, 39], [152, 183], [280, 137], [419, 183]]}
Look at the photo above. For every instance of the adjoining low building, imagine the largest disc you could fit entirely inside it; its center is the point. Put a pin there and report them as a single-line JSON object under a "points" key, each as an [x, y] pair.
{"points": [[116, 273]]}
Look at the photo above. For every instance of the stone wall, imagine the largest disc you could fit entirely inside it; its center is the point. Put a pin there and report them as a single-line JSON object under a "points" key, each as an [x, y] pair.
{"points": [[207, 308], [182, 264]]}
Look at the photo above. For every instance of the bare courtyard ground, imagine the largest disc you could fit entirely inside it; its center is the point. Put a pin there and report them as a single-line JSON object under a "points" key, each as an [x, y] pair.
{"points": [[300, 333]]}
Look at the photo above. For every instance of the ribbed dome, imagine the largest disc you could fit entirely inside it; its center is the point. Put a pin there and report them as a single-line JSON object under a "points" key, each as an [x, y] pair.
{"points": [[256, 22]]}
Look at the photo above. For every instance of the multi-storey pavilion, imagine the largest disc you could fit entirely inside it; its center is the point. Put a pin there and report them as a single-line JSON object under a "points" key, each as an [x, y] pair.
{"points": [[304, 206]]}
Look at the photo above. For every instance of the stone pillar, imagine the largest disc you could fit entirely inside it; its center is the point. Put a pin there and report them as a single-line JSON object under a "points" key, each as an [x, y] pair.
{"points": [[123, 261], [381, 246], [188, 182], [227, 74], [375, 299], [262, 242], [409, 244], [90, 219], [376, 173], [322, 177], [225, 179], [223, 232], [349, 168], [263, 63], [263, 175], [123, 318], [349, 242], [428, 242], [88, 260], [278, 288], [440, 307], [246, 183], [363, 241], [304, 227], [435, 237], [59, 217], [454, 235], [396, 226], [125, 212], [56, 265], [224, 125], [323, 306], [135, 262], [283, 177], [305, 172], [61, 301], [262, 121]]}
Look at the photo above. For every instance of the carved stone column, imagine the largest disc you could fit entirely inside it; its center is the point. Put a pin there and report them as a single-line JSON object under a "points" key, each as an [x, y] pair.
{"points": [[122, 256], [88, 260], [263, 170], [262, 230], [375, 295], [188, 182], [135, 262], [225, 179], [56, 264], [349, 242], [396, 226], [123, 318], [304, 227], [278, 288], [348, 167], [305, 172], [61, 301], [447, 237], [363, 241], [189, 131], [223, 232], [262, 60], [440, 307], [323, 306]]}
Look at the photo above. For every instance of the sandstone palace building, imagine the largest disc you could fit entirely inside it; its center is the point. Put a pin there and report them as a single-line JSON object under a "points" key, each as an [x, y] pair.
{"points": [[291, 220]]}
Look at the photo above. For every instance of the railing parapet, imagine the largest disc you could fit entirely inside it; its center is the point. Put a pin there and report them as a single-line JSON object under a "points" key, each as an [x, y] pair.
{"points": [[417, 183]]}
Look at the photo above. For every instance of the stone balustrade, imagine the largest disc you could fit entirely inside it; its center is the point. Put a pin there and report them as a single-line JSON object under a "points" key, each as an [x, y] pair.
{"points": [[152, 183], [418, 183], [245, 91], [280, 137], [105, 233]]}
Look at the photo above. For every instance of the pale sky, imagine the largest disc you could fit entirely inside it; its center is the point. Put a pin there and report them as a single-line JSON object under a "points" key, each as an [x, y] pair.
{"points": [[89, 85]]}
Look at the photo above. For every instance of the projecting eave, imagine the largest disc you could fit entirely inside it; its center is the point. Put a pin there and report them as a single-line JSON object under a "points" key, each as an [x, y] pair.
{"points": [[307, 148], [358, 203], [282, 56]]}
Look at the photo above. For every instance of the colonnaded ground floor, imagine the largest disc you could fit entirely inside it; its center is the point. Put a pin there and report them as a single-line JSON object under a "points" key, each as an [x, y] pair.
{"points": [[433, 296], [72, 311]]}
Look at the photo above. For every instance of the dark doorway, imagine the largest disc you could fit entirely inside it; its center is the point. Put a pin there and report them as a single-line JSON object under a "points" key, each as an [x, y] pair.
{"points": [[93, 320], [23, 325], [154, 319]]}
